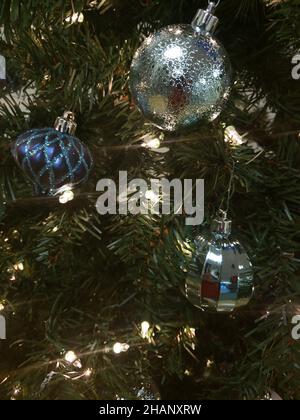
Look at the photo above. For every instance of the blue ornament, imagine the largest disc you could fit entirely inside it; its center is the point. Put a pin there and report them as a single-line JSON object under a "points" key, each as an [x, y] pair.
{"points": [[52, 158]]}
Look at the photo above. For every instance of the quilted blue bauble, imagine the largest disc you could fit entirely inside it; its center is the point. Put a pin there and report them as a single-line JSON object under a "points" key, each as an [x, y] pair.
{"points": [[52, 159]]}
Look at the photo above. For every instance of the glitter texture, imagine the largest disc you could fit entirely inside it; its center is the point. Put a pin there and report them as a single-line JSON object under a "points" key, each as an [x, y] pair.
{"points": [[52, 160], [180, 77]]}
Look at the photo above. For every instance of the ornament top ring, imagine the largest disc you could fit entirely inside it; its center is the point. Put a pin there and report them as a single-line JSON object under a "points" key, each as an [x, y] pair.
{"points": [[181, 74]]}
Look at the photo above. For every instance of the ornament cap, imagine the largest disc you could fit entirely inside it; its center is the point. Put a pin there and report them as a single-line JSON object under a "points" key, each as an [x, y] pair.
{"points": [[66, 123], [221, 225], [205, 20]]}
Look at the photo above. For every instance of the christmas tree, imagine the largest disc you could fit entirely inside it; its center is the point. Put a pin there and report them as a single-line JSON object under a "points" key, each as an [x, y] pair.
{"points": [[93, 306]]}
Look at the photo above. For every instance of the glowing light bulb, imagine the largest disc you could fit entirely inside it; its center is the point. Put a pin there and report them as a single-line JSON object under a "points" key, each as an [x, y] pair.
{"points": [[19, 267], [16, 391], [120, 348], [75, 18], [151, 196], [1, 307], [70, 357], [77, 364], [66, 196], [88, 372], [145, 328], [209, 363], [232, 136], [152, 144], [190, 332]]}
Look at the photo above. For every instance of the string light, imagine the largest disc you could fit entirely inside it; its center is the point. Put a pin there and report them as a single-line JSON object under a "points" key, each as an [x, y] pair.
{"points": [[190, 332], [232, 136], [209, 363], [19, 267], [16, 391], [77, 364], [88, 372], [1, 307], [75, 18], [66, 196], [151, 196], [120, 348], [70, 357], [145, 329], [152, 143]]}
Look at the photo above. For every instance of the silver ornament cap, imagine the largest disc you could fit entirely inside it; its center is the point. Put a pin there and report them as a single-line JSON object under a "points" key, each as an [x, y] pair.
{"points": [[66, 123], [221, 225], [220, 275], [205, 20]]}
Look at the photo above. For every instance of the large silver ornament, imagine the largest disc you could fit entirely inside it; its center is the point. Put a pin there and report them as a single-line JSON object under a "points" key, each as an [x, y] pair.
{"points": [[181, 74], [220, 276]]}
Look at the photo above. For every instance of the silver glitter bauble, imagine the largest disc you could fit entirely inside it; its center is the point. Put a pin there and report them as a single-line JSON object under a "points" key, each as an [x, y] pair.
{"points": [[181, 75], [220, 276]]}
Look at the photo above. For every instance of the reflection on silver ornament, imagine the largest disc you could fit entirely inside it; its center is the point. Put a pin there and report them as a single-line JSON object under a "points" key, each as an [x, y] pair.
{"points": [[220, 275], [181, 74]]}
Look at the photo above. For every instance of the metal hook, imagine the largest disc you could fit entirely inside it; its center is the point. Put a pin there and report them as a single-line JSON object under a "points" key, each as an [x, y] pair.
{"points": [[216, 4]]}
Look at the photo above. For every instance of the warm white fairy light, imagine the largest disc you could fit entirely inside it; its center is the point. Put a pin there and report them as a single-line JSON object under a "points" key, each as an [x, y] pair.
{"points": [[120, 348], [190, 332], [16, 391], [55, 229], [145, 329], [1, 307], [19, 267], [70, 357], [77, 364], [88, 372], [151, 196], [12, 278], [232, 136], [75, 18], [153, 143], [209, 363], [66, 196]]}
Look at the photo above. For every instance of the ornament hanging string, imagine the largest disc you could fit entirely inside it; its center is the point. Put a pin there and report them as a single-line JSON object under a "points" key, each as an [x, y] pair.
{"points": [[229, 193]]}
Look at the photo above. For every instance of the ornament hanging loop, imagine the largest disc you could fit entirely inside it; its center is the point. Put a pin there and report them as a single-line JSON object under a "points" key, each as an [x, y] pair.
{"points": [[205, 20], [213, 4]]}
